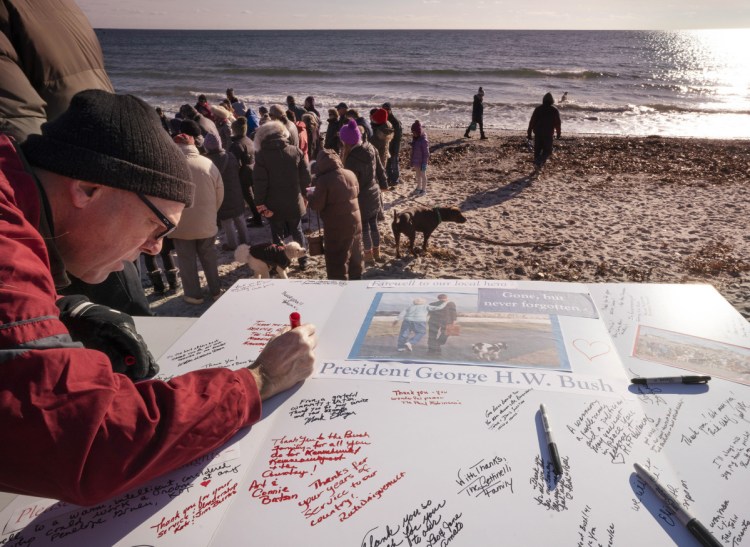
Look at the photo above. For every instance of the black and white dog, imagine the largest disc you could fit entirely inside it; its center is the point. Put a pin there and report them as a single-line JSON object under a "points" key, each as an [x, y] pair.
{"points": [[489, 352]]}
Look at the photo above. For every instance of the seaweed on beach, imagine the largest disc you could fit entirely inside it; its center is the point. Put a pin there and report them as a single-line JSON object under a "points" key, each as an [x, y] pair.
{"points": [[716, 258]]}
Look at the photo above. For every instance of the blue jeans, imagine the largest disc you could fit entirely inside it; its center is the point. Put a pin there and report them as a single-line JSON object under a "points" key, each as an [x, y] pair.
{"points": [[418, 328], [370, 233]]}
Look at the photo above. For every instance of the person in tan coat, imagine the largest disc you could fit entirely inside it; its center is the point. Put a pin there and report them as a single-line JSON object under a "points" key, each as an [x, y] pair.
{"points": [[195, 233], [335, 196]]}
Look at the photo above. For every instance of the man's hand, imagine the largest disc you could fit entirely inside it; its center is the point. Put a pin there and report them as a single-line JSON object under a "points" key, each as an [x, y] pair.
{"points": [[109, 331], [286, 360]]}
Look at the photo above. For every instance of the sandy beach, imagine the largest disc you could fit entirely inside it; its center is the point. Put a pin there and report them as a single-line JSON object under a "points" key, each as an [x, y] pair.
{"points": [[605, 209]]}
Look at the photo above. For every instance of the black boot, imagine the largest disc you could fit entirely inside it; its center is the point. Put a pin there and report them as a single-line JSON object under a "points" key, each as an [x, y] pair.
{"points": [[466, 135], [157, 280], [173, 280]]}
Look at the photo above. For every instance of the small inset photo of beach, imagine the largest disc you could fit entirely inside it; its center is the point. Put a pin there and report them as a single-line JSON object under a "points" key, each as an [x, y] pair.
{"points": [[436, 327], [692, 353]]}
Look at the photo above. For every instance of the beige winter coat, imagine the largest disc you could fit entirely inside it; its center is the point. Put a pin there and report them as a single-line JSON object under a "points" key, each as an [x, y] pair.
{"points": [[199, 221]]}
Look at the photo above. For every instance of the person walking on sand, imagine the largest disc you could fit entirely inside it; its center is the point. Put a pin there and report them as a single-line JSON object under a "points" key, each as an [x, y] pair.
{"points": [[420, 155], [440, 318], [414, 323], [394, 148], [545, 122], [477, 115]]}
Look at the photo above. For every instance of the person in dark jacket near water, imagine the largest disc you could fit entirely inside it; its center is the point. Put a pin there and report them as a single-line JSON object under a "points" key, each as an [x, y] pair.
{"points": [[545, 122], [477, 115], [394, 148]]}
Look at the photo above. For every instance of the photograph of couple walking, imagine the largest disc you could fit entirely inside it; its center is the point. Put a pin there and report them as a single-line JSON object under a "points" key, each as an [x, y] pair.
{"points": [[448, 328]]}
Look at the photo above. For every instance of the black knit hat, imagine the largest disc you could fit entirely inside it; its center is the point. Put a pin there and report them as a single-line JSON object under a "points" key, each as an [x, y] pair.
{"points": [[114, 140]]}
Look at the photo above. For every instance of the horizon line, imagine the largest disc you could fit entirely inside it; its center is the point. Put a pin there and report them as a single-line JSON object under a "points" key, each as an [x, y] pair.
{"points": [[430, 29]]}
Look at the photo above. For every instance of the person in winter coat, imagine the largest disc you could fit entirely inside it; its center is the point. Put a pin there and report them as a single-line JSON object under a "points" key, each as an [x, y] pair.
{"points": [[204, 108], [545, 122], [335, 197], [206, 125], [231, 213], [292, 105], [280, 179], [310, 107], [420, 156], [332, 141], [361, 158], [223, 123], [392, 167], [301, 131], [238, 107], [312, 124], [278, 113], [195, 233], [477, 115], [352, 114], [84, 428], [382, 133], [242, 149]]}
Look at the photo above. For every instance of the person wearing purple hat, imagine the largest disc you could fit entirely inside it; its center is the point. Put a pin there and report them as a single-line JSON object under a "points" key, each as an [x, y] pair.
{"points": [[420, 156], [360, 157]]}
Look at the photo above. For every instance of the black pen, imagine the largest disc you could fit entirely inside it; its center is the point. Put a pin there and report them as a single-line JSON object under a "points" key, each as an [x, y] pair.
{"points": [[551, 446], [697, 529], [672, 380]]}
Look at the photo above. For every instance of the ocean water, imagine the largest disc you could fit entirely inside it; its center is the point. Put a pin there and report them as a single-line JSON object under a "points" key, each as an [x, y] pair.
{"points": [[669, 83]]}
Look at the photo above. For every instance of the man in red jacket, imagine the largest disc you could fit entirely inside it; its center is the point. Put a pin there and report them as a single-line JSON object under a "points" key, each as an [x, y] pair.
{"points": [[102, 183]]}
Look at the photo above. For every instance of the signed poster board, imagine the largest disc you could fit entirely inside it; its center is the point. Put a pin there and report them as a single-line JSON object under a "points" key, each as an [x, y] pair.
{"points": [[380, 449]]}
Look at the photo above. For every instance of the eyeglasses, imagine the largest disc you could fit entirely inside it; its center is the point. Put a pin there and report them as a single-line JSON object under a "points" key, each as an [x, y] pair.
{"points": [[169, 226]]}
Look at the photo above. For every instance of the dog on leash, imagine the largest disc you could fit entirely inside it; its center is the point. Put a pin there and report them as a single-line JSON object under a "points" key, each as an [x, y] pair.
{"points": [[422, 219], [264, 257], [489, 352]]}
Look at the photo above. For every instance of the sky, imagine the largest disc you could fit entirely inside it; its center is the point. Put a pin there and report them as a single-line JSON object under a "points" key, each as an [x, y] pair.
{"points": [[418, 14]]}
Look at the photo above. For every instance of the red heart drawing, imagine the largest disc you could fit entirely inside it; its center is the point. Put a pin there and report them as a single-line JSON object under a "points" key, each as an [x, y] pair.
{"points": [[591, 350], [205, 483]]}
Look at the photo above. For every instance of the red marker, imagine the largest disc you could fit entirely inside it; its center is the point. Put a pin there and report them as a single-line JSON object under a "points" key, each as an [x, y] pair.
{"points": [[294, 319]]}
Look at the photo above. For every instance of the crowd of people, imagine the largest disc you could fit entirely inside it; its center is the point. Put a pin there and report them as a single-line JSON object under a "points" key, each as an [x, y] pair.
{"points": [[267, 161]]}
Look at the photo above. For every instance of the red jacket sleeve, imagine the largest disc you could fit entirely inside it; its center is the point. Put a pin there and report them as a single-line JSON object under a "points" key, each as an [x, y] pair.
{"points": [[71, 428]]}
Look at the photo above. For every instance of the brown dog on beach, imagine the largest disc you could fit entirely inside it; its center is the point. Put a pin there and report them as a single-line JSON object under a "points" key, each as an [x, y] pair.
{"points": [[422, 219]]}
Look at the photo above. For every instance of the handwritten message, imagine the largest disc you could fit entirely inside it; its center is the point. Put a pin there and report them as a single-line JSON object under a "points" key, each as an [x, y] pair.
{"points": [[728, 413], [735, 456], [730, 526], [556, 497], [194, 353], [260, 332], [422, 397], [183, 518], [426, 525], [609, 429], [485, 478], [322, 409], [325, 476], [502, 413], [591, 534]]}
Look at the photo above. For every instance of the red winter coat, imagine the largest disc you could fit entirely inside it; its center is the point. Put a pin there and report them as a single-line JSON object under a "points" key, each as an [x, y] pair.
{"points": [[72, 429]]}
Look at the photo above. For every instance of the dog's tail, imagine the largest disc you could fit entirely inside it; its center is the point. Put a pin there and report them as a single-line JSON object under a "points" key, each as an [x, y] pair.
{"points": [[242, 253]]}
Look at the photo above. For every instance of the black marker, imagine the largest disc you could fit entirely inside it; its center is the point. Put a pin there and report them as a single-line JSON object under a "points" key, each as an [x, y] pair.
{"points": [[551, 446], [697, 530], [672, 380]]}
